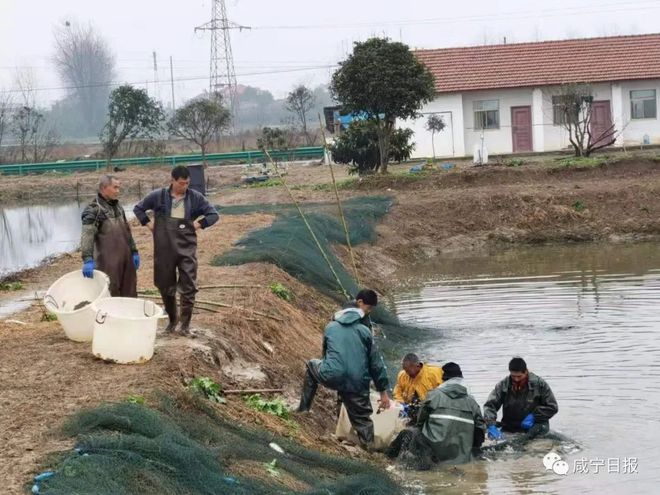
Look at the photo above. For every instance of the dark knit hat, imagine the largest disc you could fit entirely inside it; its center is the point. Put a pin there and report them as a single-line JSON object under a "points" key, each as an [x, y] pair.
{"points": [[451, 370]]}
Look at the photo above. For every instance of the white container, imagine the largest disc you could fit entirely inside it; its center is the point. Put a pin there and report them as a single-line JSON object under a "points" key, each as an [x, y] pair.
{"points": [[387, 424], [68, 292], [125, 329]]}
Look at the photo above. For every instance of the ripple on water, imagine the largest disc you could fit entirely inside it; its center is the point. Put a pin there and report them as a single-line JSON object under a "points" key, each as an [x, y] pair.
{"points": [[593, 333]]}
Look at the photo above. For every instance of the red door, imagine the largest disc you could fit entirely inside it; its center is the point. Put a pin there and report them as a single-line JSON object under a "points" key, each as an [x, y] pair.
{"points": [[521, 128], [602, 131]]}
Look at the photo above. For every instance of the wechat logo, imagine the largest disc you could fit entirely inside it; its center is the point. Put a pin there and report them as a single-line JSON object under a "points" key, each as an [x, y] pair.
{"points": [[553, 462]]}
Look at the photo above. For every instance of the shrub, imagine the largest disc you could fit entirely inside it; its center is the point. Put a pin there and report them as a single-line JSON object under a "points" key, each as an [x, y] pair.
{"points": [[358, 147]]}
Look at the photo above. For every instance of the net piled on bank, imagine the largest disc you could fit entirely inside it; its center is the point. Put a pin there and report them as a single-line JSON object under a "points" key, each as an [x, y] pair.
{"points": [[288, 244], [184, 447]]}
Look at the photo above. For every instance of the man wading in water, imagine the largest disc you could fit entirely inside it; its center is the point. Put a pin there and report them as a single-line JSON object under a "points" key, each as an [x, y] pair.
{"points": [[106, 240], [179, 212]]}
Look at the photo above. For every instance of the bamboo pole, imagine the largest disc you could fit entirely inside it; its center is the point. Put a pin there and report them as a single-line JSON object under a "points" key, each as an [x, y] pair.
{"points": [[309, 227], [341, 209], [255, 391], [248, 286], [207, 309], [223, 305]]}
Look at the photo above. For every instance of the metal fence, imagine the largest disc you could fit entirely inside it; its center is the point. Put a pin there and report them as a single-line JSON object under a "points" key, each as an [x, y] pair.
{"points": [[307, 153]]}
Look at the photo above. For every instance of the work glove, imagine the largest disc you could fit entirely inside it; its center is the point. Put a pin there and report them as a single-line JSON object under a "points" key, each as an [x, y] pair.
{"points": [[528, 422], [405, 411], [494, 433], [88, 269], [136, 260]]}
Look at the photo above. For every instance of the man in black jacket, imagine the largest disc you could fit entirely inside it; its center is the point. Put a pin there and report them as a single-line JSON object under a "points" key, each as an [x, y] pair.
{"points": [[526, 400], [179, 212]]}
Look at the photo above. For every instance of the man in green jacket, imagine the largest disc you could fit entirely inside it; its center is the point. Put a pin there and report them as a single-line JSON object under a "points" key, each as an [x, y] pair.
{"points": [[526, 400], [450, 422], [106, 241], [350, 362]]}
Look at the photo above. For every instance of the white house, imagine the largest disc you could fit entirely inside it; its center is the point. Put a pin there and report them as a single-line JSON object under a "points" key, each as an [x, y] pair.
{"points": [[505, 93]]}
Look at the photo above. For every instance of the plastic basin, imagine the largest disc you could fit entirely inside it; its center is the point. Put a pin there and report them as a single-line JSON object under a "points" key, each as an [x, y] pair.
{"points": [[125, 329], [71, 291]]}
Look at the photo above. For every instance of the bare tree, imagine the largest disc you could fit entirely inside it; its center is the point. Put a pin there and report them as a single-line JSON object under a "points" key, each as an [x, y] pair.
{"points": [[200, 121], [28, 124], [573, 108], [300, 101], [5, 117], [25, 124], [434, 124], [86, 65]]}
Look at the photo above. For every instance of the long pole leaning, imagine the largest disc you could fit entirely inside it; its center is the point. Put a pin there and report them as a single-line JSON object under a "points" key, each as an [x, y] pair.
{"points": [[309, 227], [341, 209]]}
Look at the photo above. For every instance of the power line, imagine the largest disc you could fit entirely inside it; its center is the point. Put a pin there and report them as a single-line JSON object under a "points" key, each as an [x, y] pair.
{"points": [[181, 79], [586, 9], [222, 73]]}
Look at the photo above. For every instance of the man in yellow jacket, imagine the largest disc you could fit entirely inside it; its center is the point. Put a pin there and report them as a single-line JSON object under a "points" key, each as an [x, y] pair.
{"points": [[413, 383], [415, 380]]}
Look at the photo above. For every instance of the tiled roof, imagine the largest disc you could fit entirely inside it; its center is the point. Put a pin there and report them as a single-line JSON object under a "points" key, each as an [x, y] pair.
{"points": [[518, 65]]}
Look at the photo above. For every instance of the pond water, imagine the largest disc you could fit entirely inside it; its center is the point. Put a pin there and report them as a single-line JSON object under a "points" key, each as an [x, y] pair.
{"points": [[587, 319], [30, 234]]}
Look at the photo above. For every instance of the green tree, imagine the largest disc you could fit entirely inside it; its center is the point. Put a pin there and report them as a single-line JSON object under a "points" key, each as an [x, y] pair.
{"points": [[274, 139], [131, 114], [299, 102], [200, 121], [434, 124], [385, 81]]}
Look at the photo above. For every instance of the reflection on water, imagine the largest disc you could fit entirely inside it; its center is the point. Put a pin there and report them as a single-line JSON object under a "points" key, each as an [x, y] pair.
{"points": [[587, 319], [31, 233]]}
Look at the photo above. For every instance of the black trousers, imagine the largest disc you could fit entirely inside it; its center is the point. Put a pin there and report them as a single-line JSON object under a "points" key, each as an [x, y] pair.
{"points": [[358, 405]]}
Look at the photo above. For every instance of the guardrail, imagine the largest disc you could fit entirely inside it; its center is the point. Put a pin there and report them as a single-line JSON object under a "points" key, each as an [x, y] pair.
{"points": [[307, 153]]}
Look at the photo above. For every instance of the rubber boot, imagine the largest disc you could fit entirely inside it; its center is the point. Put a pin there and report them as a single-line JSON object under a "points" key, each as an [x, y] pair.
{"points": [[310, 386], [170, 309], [186, 316]]}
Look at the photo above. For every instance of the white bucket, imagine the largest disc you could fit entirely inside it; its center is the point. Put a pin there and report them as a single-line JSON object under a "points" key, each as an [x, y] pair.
{"points": [[125, 329], [387, 424], [68, 292]]}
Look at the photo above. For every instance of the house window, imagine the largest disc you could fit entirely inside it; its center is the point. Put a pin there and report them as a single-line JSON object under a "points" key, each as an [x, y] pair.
{"points": [[642, 104], [487, 114], [562, 107]]}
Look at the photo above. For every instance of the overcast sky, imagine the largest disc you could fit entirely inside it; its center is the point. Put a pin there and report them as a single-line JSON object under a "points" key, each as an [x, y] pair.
{"points": [[292, 41]]}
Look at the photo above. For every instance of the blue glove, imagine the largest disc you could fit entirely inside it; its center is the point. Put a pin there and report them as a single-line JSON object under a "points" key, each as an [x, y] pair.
{"points": [[494, 433], [136, 260], [405, 411], [528, 422], [88, 269]]}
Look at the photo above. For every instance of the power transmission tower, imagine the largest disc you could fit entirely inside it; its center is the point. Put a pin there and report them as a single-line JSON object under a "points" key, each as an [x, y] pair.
{"points": [[222, 75]]}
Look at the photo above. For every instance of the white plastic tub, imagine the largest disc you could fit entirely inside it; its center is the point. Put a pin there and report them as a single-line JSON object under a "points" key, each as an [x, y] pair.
{"points": [[71, 290], [387, 424], [125, 329]]}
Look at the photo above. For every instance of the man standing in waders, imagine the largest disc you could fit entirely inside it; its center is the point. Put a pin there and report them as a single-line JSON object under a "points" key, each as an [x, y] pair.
{"points": [[179, 212], [106, 240]]}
